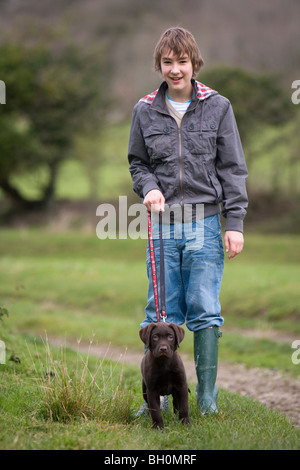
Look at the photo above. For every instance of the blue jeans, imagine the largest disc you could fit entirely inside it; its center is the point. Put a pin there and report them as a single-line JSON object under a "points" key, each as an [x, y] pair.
{"points": [[194, 264]]}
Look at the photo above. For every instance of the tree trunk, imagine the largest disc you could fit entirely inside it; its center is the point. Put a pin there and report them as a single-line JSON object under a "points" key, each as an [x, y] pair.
{"points": [[21, 203]]}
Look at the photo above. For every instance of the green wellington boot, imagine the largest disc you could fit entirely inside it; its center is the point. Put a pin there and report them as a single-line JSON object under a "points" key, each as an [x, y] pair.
{"points": [[206, 344]]}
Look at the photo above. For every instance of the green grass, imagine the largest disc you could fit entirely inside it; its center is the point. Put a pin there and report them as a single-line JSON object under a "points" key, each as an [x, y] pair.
{"points": [[242, 423], [73, 285]]}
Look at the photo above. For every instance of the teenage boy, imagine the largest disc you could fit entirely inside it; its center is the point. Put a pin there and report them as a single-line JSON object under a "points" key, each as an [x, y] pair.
{"points": [[185, 150]]}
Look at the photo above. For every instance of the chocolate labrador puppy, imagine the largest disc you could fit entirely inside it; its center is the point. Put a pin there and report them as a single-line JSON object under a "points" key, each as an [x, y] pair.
{"points": [[163, 371]]}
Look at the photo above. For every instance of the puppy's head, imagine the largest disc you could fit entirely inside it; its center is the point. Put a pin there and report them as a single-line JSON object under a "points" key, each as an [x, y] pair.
{"points": [[162, 339]]}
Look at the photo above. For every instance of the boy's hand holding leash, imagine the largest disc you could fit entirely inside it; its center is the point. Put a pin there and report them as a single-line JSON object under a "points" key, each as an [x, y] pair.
{"points": [[154, 201]]}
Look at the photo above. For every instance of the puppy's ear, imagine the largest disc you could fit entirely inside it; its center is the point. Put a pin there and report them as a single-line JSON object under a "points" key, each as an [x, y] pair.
{"points": [[145, 334], [179, 333]]}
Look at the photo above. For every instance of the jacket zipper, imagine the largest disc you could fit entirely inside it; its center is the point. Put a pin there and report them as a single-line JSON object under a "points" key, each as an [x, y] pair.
{"points": [[180, 157], [180, 168], [180, 150]]}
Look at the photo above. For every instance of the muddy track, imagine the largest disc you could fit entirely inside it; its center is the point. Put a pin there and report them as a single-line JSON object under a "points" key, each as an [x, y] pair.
{"points": [[272, 388]]}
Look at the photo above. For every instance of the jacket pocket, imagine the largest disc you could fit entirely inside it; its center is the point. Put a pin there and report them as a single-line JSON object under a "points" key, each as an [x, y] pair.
{"points": [[215, 183], [158, 143], [199, 143]]}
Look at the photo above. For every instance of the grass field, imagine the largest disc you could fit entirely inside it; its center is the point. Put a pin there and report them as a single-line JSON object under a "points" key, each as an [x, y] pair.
{"points": [[71, 282], [45, 407], [73, 285]]}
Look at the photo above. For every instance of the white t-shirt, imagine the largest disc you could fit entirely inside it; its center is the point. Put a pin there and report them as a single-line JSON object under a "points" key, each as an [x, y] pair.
{"points": [[180, 107]]}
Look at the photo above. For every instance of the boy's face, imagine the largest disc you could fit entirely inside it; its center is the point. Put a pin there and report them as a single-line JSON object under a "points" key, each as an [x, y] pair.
{"points": [[177, 72]]}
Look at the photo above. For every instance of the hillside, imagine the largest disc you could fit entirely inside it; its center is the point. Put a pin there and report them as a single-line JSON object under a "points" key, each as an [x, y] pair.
{"points": [[254, 34]]}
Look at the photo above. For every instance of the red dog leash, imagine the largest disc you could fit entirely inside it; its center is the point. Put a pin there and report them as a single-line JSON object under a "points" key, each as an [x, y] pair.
{"points": [[162, 312]]}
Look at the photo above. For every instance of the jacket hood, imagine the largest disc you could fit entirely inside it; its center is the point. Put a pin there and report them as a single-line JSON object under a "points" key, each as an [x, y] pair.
{"points": [[202, 92]]}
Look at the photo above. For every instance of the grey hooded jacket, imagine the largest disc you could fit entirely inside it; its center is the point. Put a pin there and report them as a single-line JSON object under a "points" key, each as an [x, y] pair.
{"points": [[200, 163]]}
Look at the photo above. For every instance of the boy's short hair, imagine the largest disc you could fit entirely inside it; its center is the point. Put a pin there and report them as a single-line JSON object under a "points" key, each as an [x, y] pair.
{"points": [[180, 42]]}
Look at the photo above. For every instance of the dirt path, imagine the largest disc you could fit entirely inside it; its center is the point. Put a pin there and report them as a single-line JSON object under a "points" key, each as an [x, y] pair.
{"points": [[271, 388]]}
